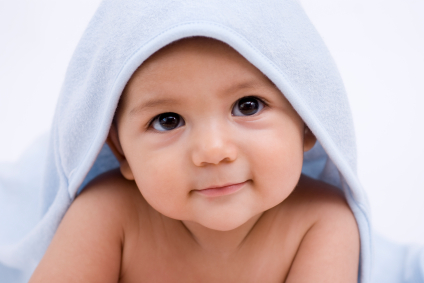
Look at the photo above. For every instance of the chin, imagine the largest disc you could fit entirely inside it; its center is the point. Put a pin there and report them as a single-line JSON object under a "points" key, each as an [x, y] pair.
{"points": [[225, 222]]}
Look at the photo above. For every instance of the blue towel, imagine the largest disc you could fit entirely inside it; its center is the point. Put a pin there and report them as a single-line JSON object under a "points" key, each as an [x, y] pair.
{"points": [[274, 35]]}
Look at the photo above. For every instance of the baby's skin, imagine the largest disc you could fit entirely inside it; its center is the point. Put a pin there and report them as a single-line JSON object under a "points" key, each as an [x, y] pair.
{"points": [[209, 187]]}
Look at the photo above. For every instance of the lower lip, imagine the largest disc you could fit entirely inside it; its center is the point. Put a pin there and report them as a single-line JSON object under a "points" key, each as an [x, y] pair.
{"points": [[221, 191]]}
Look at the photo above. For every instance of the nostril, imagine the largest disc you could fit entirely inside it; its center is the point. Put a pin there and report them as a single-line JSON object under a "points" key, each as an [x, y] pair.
{"points": [[214, 155]]}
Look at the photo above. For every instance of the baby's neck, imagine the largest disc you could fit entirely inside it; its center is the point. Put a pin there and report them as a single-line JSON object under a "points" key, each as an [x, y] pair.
{"points": [[221, 243]]}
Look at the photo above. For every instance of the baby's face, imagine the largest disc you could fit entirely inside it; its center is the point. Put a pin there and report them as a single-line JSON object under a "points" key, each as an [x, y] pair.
{"points": [[207, 137]]}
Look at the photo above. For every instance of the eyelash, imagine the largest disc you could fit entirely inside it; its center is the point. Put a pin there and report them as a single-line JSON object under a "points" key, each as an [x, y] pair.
{"points": [[261, 100]]}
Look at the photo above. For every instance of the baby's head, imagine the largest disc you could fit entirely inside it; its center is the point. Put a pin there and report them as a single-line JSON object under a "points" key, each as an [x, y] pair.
{"points": [[206, 136]]}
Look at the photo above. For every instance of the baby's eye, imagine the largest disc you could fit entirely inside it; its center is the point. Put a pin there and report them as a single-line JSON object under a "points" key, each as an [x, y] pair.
{"points": [[247, 106], [167, 121]]}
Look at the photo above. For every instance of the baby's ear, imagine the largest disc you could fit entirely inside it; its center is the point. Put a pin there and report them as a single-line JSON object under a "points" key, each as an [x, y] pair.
{"points": [[115, 146], [309, 139]]}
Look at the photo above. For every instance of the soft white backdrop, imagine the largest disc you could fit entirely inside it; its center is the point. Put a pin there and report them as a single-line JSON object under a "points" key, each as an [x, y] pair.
{"points": [[377, 44]]}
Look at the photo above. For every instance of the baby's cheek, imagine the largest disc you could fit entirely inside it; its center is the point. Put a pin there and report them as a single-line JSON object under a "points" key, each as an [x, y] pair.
{"points": [[162, 183], [276, 171]]}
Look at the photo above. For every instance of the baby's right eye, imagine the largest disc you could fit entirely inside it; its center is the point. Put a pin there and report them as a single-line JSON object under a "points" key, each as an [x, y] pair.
{"points": [[167, 121], [247, 106]]}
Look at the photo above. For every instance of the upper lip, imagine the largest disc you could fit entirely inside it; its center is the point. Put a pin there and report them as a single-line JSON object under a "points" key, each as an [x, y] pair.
{"points": [[221, 186]]}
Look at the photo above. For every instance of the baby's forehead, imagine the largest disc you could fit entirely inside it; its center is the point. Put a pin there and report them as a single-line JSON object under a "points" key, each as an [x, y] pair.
{"points": [[188, 47], [187, 57]]}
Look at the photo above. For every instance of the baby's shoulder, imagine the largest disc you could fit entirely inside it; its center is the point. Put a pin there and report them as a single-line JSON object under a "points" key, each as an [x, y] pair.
{"points": [[110, 196], [88, 242], [314, 207], [325, 230], [110, 186], [319, 201]]}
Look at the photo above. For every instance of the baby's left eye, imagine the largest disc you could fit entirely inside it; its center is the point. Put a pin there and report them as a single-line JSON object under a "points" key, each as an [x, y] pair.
{"points": [[247, 106], [167, 122]]}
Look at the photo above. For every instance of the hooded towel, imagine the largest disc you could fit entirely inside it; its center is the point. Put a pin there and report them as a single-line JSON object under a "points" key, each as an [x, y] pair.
{"points": [[274, 35]]}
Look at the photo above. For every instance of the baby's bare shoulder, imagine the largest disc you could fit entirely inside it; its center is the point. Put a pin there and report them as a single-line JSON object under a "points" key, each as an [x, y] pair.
{"points": [[111, 195], [330, 238], [87, 246], [319, 201], [110, 188]]}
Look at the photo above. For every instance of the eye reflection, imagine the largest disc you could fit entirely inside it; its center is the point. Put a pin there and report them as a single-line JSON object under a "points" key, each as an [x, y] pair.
{"points": [[167, 121], [247, 106]]}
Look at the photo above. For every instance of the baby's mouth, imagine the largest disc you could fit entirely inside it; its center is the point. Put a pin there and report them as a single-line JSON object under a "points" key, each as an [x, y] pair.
{"points": [[217, 191]]}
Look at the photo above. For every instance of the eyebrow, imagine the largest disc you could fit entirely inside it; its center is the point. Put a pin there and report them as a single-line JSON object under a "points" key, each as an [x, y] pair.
{"points": [[247, 85], [170, 101], [240, 86], [154, 103]]}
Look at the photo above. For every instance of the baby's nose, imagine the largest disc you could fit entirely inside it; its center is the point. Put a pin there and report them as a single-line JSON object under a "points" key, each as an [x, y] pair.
{"points": [[213, 145]]}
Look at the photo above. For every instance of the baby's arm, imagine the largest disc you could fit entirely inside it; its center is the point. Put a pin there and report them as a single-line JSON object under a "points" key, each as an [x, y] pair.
{"points": [[329, 251], [88, 244]]}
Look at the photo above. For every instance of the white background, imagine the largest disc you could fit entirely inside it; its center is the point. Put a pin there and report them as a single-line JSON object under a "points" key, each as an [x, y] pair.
{"points": [[377, 44]]}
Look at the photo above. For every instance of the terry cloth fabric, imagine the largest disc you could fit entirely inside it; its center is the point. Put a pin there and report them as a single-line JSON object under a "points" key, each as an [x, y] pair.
{"points": [[274, 35]]}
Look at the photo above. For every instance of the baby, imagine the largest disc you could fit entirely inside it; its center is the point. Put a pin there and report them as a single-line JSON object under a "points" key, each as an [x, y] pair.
{"points": [[210, 186]]}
